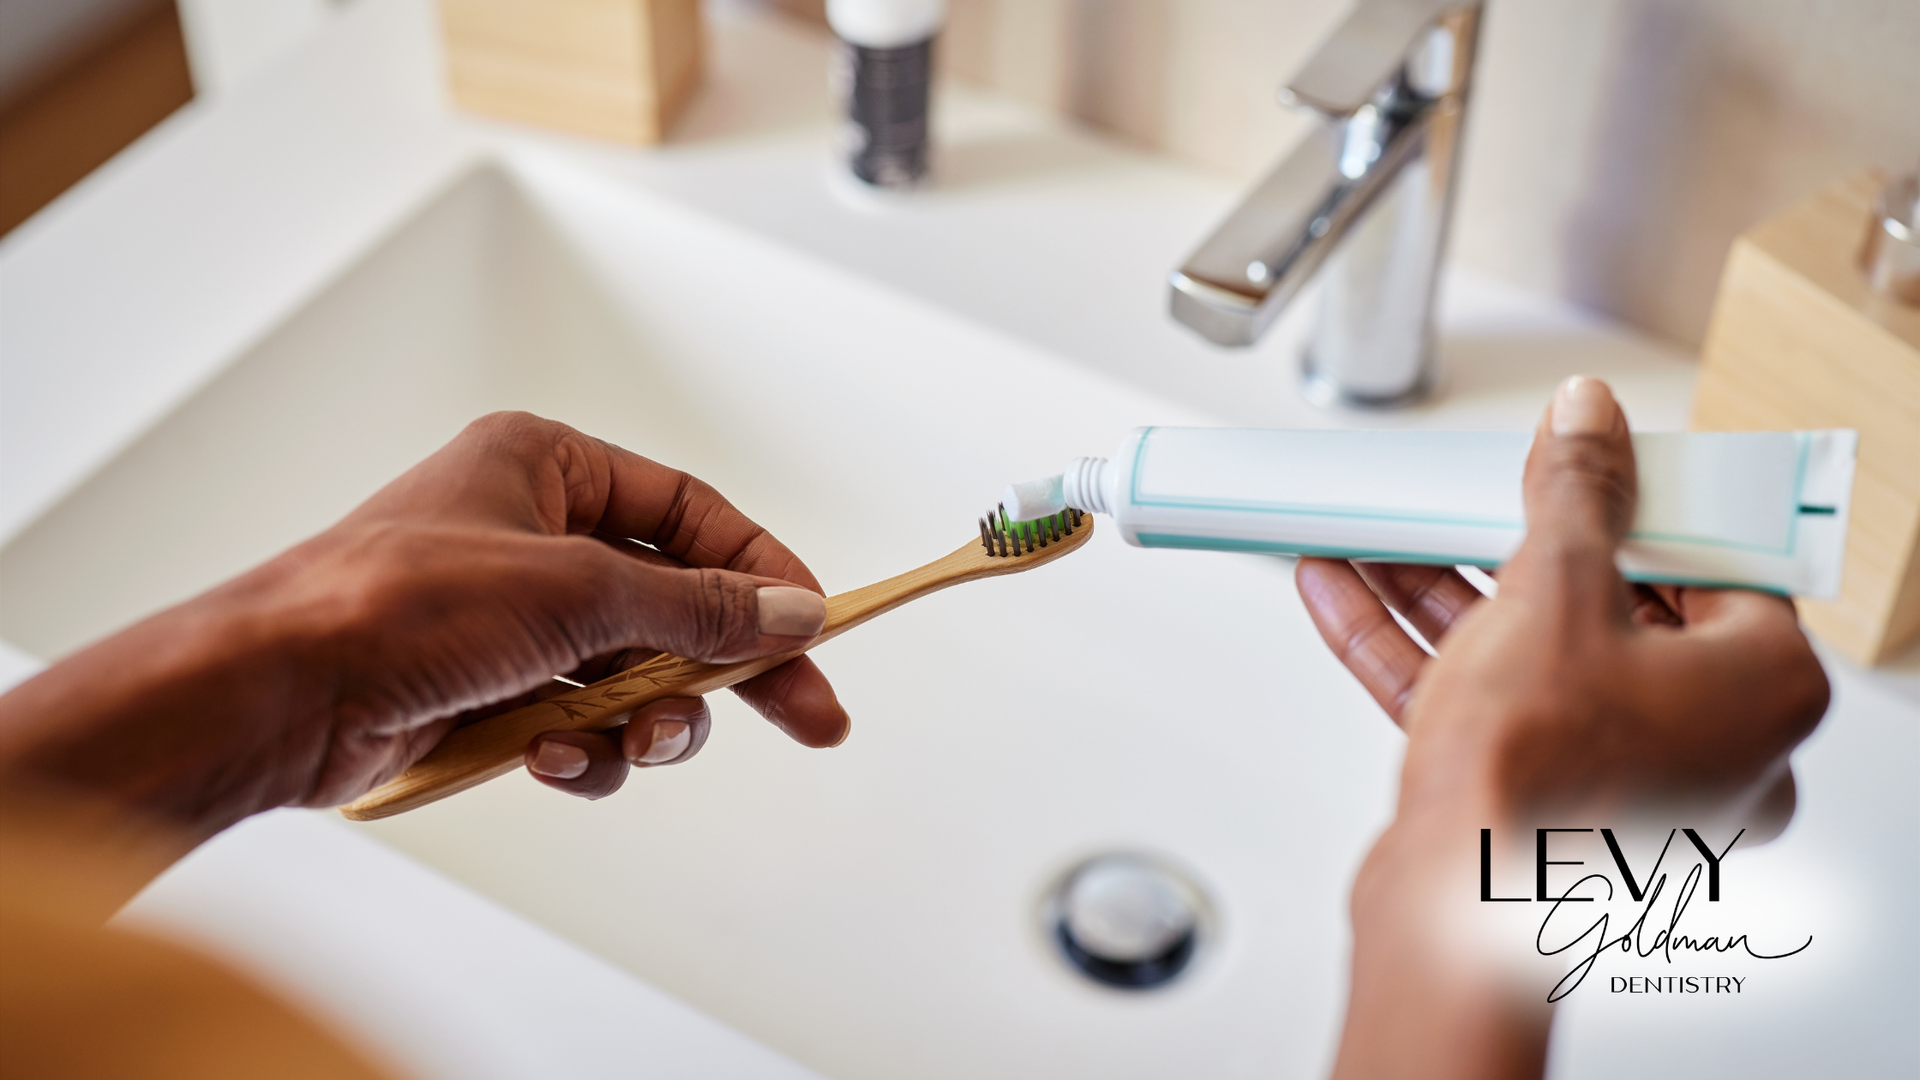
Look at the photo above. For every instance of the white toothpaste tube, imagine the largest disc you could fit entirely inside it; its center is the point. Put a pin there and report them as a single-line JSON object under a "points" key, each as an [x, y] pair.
{"points": [[1761, 510]]}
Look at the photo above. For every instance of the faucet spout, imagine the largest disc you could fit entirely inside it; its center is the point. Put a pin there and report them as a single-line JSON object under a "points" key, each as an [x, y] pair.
{"points": [[1237, 282], [1366, 199]]}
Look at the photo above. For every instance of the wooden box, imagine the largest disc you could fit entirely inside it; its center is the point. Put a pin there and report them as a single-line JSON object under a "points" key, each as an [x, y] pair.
{"points": [[1797, 340], [613, 69]]}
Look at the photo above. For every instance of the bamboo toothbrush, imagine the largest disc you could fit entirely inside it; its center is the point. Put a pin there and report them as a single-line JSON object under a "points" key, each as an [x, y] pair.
{"points": [[493, 747]]}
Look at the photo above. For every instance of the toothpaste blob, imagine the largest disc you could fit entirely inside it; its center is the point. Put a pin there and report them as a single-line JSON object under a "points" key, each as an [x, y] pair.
{"points": [[1761, 510], [1033, 499]]}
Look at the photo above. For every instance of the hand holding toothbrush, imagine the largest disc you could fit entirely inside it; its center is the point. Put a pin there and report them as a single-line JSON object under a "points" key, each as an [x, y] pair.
{"points": [[521, 549]]}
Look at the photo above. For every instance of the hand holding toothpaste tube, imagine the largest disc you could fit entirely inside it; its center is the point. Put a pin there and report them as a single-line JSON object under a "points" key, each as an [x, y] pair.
{"points": [[1568, 694]]}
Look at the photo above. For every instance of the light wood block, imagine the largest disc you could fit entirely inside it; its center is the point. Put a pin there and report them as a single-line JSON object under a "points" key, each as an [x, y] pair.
{"points": [[1797, 340], [612, 69]]}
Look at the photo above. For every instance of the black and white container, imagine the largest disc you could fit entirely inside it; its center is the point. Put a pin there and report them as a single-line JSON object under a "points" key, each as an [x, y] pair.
{"points": [[884, 77]]}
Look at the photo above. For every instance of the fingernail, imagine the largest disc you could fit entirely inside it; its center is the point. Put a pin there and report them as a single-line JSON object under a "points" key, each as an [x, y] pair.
{"points": [[670, 739], [1582, 406], [562, 761], [791, 612]]}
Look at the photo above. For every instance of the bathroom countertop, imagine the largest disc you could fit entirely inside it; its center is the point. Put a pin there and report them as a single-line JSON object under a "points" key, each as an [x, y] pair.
{"points": [[134, 289], [209, 230]]}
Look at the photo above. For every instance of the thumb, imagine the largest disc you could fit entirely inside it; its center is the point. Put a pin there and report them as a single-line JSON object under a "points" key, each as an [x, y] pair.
{"points": [[1580, 487], [717, 616]]}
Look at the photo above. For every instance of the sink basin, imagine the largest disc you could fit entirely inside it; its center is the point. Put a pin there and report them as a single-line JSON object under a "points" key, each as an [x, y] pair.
{"points": [[873, 911]]}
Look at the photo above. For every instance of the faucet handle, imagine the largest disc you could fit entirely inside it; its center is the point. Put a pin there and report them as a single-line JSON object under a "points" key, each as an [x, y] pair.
{"points": [[1362, 53]]}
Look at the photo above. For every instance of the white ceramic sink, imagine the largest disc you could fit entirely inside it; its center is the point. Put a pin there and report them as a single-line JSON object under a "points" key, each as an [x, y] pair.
{"points": [[871, 911]]}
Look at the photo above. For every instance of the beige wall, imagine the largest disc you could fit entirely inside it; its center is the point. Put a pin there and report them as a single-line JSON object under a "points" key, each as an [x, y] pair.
{"points": [[1614, 149]]}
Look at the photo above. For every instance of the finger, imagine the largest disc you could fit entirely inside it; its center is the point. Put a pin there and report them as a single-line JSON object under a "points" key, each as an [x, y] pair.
{"points": [[795, 696], [1580, 488], [1739, 682], [798, 700], [561, 481], [685, 518], [606, 665], [609, 602], [1429, 597], [1734, 611], [547, 689], [1747, 656], [584, 763], [628, 546], [1670, 596], [561, 601], [1651, 607], [1361, 632], [666, 732], [592, 671]]}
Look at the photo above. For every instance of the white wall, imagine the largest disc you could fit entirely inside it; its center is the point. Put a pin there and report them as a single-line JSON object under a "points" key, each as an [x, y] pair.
{"points": [[230, 41]]}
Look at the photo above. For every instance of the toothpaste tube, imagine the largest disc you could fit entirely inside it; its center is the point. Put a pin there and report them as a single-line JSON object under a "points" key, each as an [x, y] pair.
{"points": [[1760, 510]]}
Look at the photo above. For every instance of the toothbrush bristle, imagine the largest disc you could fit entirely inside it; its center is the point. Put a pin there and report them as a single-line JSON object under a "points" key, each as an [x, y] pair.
{"points": [[1004, 538]]}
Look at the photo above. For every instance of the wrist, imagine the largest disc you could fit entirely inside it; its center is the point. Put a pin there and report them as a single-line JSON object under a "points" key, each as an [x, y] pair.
{"points": [[1442, 985], [1466, 758], [176, 720]]}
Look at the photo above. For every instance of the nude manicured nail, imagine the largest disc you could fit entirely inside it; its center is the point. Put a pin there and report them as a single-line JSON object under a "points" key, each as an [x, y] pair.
{"points": [[1582, 406], [562, 761], [670, 739], [791, 612]]}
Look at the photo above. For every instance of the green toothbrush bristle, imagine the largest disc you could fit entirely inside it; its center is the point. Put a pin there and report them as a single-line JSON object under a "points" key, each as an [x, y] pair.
{"points": [[1002, 537]]}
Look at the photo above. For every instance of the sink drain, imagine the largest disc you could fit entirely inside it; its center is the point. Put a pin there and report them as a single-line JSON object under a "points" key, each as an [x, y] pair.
{"points": [[1126, 921]]}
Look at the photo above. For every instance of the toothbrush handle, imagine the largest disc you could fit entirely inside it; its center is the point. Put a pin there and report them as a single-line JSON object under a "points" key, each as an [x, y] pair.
{"points": [[482, 750]]}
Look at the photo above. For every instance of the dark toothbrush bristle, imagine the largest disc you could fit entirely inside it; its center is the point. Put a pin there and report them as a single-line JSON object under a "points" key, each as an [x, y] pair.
{"points": [[1005, 538]]}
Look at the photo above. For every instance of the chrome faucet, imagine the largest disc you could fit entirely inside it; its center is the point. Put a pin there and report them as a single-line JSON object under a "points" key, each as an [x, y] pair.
{"points": [[1368, 198]]}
